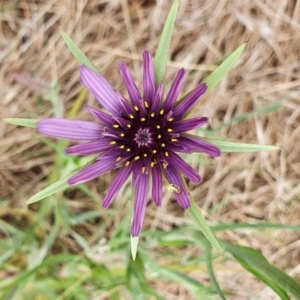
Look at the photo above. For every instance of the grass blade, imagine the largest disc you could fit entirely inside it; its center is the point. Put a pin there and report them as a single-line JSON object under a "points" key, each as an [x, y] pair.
{"points": [[22, 122]]}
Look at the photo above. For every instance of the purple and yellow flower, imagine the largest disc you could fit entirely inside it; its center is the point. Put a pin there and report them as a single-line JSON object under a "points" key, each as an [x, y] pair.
{"points": [[141, 137]]}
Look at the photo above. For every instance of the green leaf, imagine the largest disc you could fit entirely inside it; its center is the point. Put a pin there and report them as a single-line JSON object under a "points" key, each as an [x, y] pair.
{"points": [[134, 240], [257, 264], [212, 79], [22, 122], [78, 54], [225, 146], [161, 56]]}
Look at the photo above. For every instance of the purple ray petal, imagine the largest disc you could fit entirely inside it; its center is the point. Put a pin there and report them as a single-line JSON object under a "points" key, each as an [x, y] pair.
{"points": [[70, 129], [139, 206], [131, 87], [195, 144], [178, 163], [157, 184], [157, 98], [173, 178], [137, 171], [92, 171], [100, 115], [116, 185], [177, 148], [148, 77], [101, 89], [89, 148], [187, 125], [190, 101], [174, 90]]}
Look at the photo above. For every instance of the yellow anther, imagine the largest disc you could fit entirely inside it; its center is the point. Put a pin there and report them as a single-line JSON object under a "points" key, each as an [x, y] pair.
{"points": [[143, 119], [122, 134], [112, 142], [169, 130], [119, 158], [136, 158], [128, 125], [136, 108], [122, 147], [158, 126], [165, 165], [167, 154], [131, 116], [170, 119], [116, 126], [127, 163], [162, 111], [145, 154], [174, 140], [163, 145], [159, 136], [152, 115], [146, 104], [152, 164], [143, 170], [154, 151], [128, 150]]}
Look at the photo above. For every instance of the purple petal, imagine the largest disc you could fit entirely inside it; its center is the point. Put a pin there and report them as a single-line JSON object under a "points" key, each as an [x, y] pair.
{"points": [[70, 129], [157, 98], [157, 184], [116, 185], [137, 171], [139, 206], [92, 171], [101, 89], [178, 163], [89, 148], [190, 101], [103, 117], [195, 144], [174, 90], [174, 179], [148, 77], [132, 89], [187, 125]]}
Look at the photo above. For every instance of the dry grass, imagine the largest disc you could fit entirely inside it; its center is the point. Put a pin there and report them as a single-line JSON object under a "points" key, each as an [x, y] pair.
{"points": [[250, 187]]}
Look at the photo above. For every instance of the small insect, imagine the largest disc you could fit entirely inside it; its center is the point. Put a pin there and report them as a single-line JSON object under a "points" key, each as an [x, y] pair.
{"points": [[173, 188]]}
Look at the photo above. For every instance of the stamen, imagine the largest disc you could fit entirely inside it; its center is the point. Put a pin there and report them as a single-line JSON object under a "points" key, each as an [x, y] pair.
{"points": [[143, 119], [152, 115], [122, 147], [166, 154], [165, 165], [152, 164], [146, 104], [127, 163], [119, 158], [131, 116], [116, 126], [136, 158], [136, 108], [145, 154], [163, 145], [170, 119], [154, 151], [162, 111], [112, 142], [169, 130], [128, 150], [128, 125], [158, 126], [174, 140], [143, 170], [122, 134], [159, 136]]}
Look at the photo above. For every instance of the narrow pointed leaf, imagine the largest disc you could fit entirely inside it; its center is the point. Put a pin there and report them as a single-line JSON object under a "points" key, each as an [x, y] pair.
{"points": [[160, 60], [78, 54], [22, 122], [226, 146]]}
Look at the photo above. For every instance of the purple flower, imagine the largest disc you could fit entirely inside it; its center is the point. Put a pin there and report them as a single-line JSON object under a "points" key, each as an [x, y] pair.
{"points": [[141, 136]]}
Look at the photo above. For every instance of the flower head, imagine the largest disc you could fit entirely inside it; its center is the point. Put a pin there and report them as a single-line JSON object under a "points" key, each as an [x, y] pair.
{"points": [[141, 136]]}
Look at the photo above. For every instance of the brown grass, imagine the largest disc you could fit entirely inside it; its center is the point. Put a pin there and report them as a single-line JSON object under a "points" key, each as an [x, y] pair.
{"points": [[250, 187]]}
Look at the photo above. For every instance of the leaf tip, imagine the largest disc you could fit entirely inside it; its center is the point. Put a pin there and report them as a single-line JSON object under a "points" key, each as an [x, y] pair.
{"points": [[134, 240]]}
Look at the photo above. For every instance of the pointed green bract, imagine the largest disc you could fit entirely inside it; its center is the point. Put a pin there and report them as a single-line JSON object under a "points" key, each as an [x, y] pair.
{"points": [[225, 146], [212, 79], [161, 56], [22, 122], [78, 54], [134, 240]]}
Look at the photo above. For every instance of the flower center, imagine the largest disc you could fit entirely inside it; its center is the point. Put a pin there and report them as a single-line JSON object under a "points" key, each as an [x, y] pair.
{"points": [[143, 137]]}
